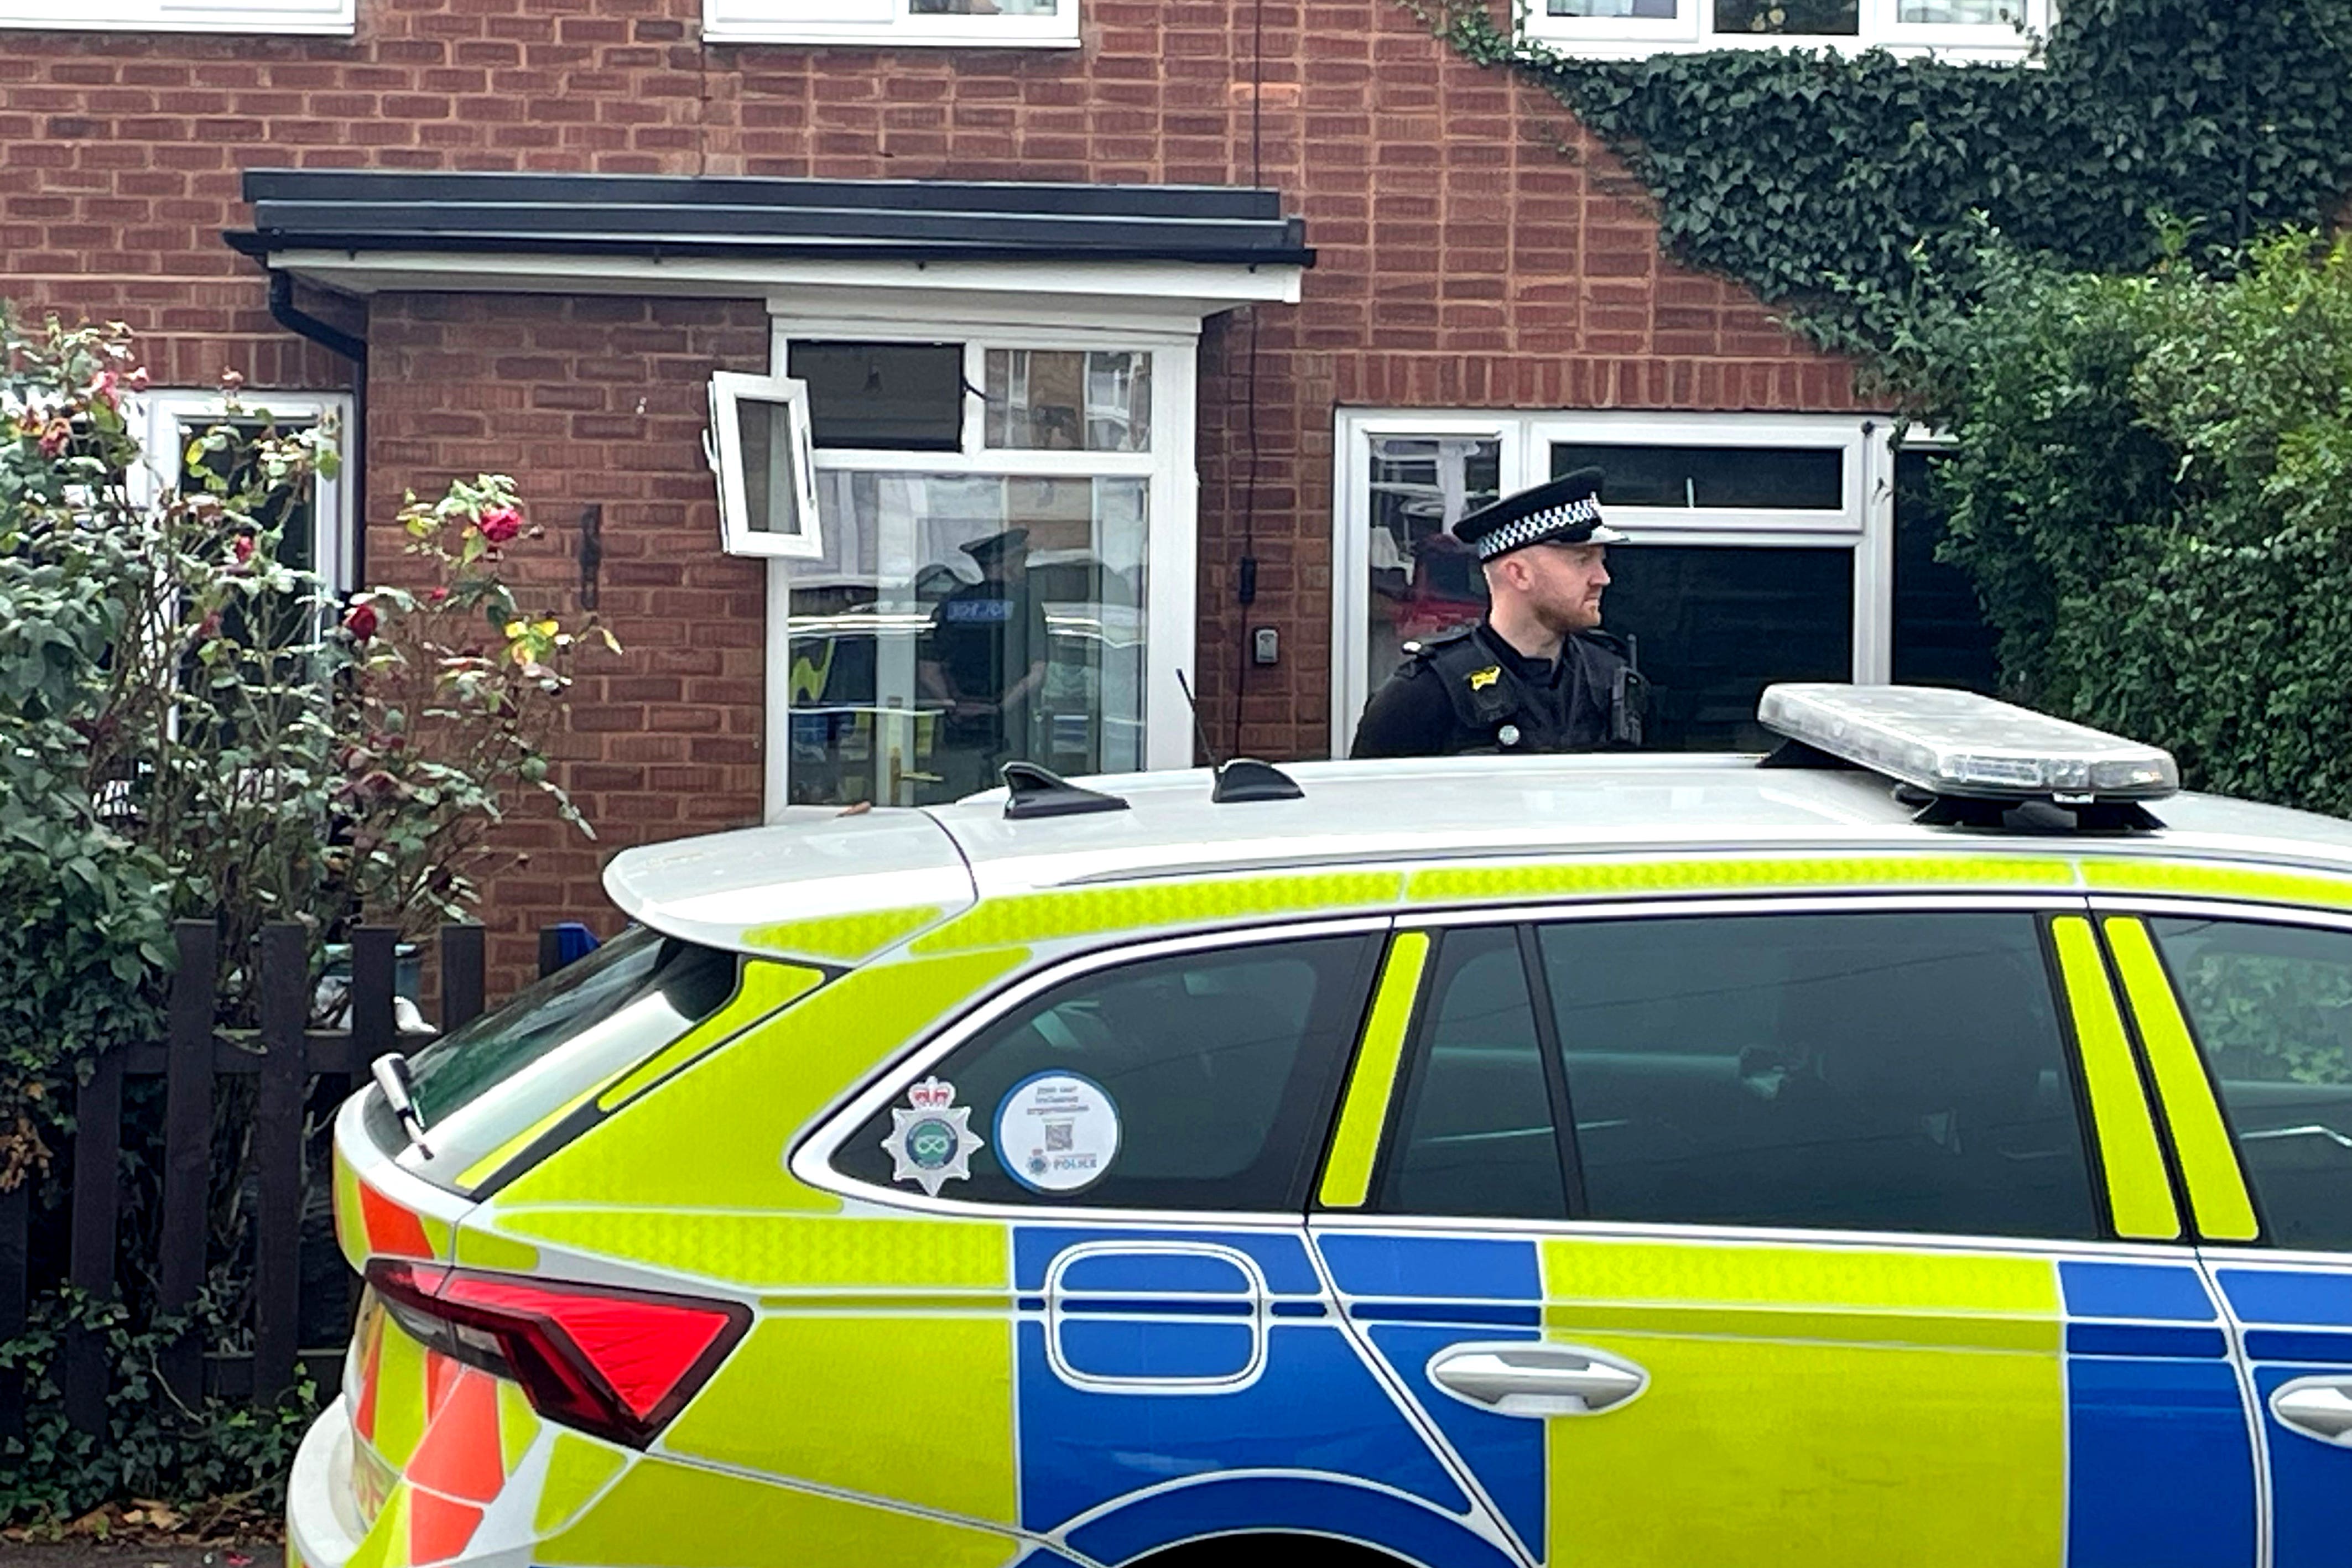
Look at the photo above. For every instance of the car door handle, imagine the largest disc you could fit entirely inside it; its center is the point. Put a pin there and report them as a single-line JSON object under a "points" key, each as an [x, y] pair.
{"points": [[1521, 1378], [2317, 1407]]}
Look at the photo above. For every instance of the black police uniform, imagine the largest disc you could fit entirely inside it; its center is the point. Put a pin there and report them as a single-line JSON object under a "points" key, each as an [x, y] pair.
{"points": [[1469, 691]]}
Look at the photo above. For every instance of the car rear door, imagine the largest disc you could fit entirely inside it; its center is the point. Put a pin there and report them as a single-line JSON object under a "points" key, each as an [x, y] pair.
{"points": [[2245, 1015], [1833, 1231]]}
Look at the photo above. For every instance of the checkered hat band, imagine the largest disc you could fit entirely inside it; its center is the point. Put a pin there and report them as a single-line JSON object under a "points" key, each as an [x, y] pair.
{"points": [[1540, 525]]}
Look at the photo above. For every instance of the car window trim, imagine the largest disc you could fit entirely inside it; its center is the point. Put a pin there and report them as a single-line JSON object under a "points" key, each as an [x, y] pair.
{"points": [[1529, 920], [811, 1153], [1555, 1069]]}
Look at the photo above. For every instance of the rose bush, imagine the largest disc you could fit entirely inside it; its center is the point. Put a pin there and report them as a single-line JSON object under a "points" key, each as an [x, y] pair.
{"points": [[192, 727]]}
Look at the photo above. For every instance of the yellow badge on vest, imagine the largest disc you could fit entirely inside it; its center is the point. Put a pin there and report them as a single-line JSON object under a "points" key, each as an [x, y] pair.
{"points": [[1481, 679]]}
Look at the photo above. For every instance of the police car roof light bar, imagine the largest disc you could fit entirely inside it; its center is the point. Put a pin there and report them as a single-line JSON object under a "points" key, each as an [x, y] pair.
{"points": [[1956, 744]]}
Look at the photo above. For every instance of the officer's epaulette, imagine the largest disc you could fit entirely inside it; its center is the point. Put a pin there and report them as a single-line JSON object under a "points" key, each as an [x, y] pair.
{"points": [[1421, 647], [1610, 640]]}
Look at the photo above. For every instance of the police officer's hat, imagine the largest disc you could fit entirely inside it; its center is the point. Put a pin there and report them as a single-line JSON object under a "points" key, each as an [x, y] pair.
{"points": [[996, 547], [1566, 510]]}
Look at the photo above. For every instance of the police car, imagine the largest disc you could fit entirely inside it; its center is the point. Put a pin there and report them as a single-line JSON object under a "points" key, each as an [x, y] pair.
{"points": [[1930, 1144]]}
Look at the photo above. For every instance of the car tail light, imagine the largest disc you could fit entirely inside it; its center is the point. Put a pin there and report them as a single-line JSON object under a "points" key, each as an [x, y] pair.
{"points": [[611, 1362]]}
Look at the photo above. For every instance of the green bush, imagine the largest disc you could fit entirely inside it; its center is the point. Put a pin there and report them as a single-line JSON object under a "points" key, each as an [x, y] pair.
{"points": [[2152, 489]]}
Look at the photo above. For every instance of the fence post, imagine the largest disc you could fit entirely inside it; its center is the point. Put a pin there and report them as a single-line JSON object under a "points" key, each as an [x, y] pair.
{"points": [[96, 1196], [278, 1160], [15, 1292], [461, 976], [373, 983], [188, 1147]]}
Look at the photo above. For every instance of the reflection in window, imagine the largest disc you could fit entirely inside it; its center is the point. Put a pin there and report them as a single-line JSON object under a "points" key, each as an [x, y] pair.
{"points": [[1475, 1136], [906, 397], [1958, 12], [1424, 580], [770, 502], [1221, 1068], [1069, 400], [1712, 626], [1940, 636], [1863, 1071], [1763, 477], [960, 622], [981, 7], [1661, 9], [1820, 17], [2272, 1006]]}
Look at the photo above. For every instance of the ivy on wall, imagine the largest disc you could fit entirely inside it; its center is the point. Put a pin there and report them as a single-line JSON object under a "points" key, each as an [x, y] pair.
{"points": [[1843, 186]]}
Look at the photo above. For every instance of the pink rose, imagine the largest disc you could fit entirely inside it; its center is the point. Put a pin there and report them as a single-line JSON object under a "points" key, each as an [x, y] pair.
{"points": [[500, 523], [241, 547], [436, 596], [102, 390], [56, 437]]}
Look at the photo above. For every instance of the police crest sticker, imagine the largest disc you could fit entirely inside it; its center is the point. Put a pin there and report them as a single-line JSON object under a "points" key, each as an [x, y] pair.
{"points": [[931, 1140], [1057, 1132]]}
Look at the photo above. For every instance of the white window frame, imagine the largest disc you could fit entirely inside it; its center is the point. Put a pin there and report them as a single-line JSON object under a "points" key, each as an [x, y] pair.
{"points": [[330, 18], [159, 415], [1172, 519], [728, 390], [1633, 37], [880, 24], [1864, 523]]}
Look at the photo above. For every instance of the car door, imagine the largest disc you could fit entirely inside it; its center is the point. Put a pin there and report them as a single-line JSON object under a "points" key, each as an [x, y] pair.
{"points": [[1831, 1232], [2246, 1019]]}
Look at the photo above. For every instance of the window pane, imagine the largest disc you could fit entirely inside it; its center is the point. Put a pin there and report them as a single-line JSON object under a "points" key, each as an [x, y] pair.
{"points": [[981, 7], [291, 510], [1940, 636], [958, 622], [1713, 625], [1219, 1071], [1803, 478], [1960, 12], [771, 504], [1879, 1071], [1475, 1136], [1069, 401], [1663, 9], [899, 397], [2272, 1006], [1840, 17], [1423, 578]]}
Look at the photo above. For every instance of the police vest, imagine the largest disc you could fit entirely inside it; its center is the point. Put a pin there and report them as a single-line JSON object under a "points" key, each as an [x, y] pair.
{"points": [[1496, 713]]}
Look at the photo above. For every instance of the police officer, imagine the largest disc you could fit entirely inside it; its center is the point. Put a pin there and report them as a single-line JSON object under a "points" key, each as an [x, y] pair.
{"points": [[1537, 674]]}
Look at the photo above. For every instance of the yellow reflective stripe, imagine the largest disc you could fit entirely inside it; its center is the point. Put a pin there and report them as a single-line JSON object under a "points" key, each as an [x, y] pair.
{"points": [[2137, 1189], [1349, 1178], [2205, 878], [1596, 877], [2209, 1164], [764, 988]]}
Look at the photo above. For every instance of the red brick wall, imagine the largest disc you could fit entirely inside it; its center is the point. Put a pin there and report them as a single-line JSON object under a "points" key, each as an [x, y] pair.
{"points": [[1466, 259], [592, 401]]}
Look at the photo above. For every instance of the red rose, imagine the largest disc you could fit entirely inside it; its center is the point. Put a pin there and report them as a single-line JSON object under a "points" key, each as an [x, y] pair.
{"points": [[436, 596], [500, 523], [241, 547], [360, 622]]}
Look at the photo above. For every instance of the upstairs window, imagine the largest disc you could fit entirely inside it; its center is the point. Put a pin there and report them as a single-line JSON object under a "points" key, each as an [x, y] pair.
{"points": [[961, 24], [1955, 29], [329, 17]]}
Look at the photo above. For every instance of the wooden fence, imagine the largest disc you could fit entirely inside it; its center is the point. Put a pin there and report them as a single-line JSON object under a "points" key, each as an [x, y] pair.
{"points": [[286, 1059]]}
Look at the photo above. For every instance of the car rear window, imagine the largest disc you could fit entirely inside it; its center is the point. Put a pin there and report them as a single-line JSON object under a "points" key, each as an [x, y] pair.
{"points": [[2271, 1007], [510, 1069]]}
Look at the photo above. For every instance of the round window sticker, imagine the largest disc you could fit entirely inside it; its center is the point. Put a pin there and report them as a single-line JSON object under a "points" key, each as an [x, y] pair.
{"points": [[1057, 1132]]}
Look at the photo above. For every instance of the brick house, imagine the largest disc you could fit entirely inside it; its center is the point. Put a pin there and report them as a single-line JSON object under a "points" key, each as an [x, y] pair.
{"points": [[1285, 288]]}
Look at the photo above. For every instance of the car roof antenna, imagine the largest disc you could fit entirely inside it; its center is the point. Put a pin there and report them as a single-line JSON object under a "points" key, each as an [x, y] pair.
{"points": [[1244, 777]]}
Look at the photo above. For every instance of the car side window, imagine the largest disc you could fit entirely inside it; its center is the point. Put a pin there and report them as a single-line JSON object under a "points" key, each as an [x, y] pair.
{"points": [[1868, 1071], [1475, 1135], [1197, 1080], [2272, 1008]]}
